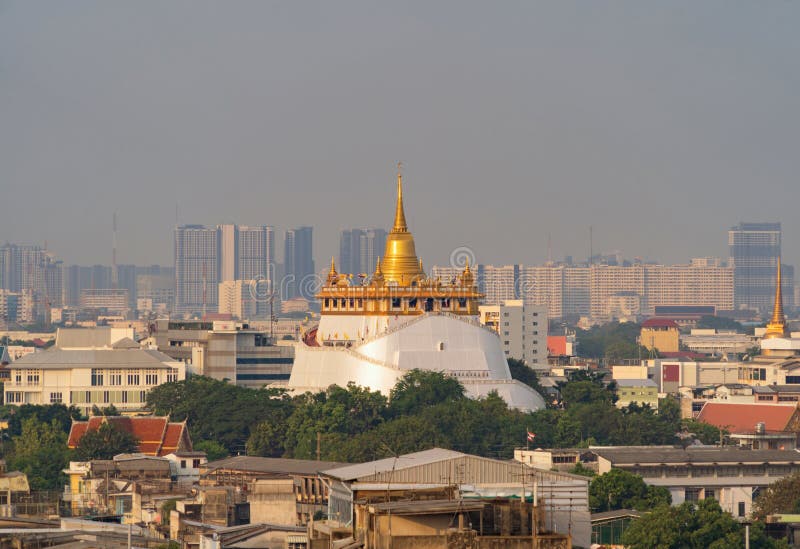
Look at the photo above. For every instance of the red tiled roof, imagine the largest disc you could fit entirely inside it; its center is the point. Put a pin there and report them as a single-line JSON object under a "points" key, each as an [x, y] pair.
{"points": [[659, 323], [742, 418], [156, 435]]}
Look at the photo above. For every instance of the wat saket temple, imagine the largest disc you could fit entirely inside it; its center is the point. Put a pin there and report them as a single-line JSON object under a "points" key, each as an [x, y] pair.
{"points": [[375, 328]]}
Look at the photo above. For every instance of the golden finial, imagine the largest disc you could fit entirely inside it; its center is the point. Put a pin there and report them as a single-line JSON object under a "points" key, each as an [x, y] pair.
{"points": [[776, 327], [400, 225], [378, 266], [332, 274]]}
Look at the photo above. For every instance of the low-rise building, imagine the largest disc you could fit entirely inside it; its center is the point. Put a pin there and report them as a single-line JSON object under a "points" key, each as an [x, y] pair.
{"points": [[156, 435], [121, 375], [757, 426], [733, 476], [363, 496], [225, 350], [660, 334], [637, 391], [279, 491]]}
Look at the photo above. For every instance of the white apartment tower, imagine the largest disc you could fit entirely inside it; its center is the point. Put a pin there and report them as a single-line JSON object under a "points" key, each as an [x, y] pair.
{"points": [[522, 330]]}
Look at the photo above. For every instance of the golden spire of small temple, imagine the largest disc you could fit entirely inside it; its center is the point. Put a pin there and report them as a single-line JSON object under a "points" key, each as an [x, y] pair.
{"points": [[776, 327], [400, 225], [400, 264], [332, 274]]}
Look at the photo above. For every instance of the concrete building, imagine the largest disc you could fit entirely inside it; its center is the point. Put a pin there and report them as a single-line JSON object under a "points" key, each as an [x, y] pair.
{"points": [[298, 264], [498, 284], [279, 491], [206, 256], [359, 249], [225, 350], [637, 391], [239, 298], [755, 425], [755, 250], [107, 300], [660, 334], [717, 342], [522, 330], [732, 476], [121, 374]]}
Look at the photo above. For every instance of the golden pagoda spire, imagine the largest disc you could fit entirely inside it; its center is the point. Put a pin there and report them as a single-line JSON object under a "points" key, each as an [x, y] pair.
{"points": [[332, 274], [400, 264], [400, 225], [776, 327]]}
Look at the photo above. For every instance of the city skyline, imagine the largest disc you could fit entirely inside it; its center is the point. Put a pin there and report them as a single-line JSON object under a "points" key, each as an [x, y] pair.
{"points": [[660, 128]]}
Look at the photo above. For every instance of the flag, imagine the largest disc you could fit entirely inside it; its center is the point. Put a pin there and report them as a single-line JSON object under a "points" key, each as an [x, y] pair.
{"points": [[531, 436]]}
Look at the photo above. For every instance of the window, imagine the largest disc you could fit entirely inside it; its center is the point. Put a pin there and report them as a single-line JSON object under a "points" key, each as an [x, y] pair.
{"points": [[396, 303], [33, 377], [151, 377], [172, 375], [183, 464], [412, 303], [115, 377], [97, 377], [196, 463], [124, 397], [55, 398], [462, 302], [106, 398], [692, 495], [792, 380], [741, 508], [133, 379], [18, 377], [13, 397]]}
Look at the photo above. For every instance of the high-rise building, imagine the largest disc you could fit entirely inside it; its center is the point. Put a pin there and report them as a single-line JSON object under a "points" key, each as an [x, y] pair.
{"points": [[196, 268], [359, 249], [498, 284], [298, 264], [755, 249], [255, 253], [205, 256]]}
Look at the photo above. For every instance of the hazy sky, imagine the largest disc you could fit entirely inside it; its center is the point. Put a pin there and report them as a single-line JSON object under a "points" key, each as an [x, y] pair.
{"points": [[661, 124]]}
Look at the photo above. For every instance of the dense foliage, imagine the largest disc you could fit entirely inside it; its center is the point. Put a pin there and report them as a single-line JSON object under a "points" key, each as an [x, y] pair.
{"points": [[40, 451], [611, 341], [703, 525], [782, 496], [620, 489], [425, 409]]}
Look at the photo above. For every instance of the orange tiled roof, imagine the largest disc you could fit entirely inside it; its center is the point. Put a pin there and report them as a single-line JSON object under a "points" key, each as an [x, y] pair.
{"points": [[156, 435], [742, 418]]}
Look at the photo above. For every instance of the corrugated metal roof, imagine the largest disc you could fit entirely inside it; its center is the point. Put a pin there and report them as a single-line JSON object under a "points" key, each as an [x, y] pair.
{"points": [[366, 471], [272, 465]]}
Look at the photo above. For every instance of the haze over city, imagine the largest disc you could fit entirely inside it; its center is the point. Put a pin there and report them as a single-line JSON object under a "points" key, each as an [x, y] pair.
{"points": [[660, 126]]}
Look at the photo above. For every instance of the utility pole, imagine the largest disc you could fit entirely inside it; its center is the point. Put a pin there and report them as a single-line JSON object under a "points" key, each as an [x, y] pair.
{"points": [[319, 445]]}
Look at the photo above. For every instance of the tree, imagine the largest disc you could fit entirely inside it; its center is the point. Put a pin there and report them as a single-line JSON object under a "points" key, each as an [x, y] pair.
{"points": [[618, 489], [105, 443], [213, 449], [111, 410], [46, 413], [782, 496], [420, 388], [218, 410], [40, 451], [703, 525], [719, 323], [521, 372]]}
